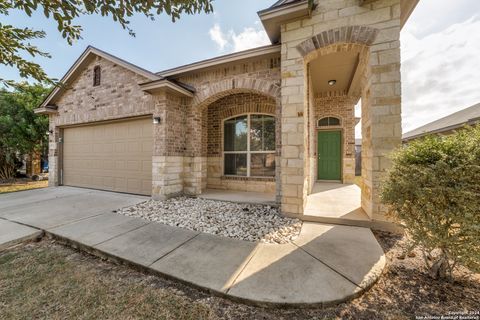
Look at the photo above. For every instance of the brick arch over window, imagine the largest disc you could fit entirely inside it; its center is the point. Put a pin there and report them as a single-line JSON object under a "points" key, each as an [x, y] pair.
{"points": [[212, 92], [230, 106], [362, 35]]}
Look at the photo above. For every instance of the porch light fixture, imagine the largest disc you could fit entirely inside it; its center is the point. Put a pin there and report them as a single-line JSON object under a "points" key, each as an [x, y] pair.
{"points": [[332, 82], [156, 120]]}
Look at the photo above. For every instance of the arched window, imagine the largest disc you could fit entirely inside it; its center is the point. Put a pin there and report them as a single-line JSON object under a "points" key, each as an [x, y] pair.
{"points": [[97, 71], [249, 145], [328, 122]]}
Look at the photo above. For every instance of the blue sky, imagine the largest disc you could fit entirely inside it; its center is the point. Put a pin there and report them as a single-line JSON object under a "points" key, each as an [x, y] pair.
{"points": [[440, 48], [158, 44]]}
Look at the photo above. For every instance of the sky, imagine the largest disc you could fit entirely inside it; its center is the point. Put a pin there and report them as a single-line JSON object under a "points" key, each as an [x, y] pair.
{"points": [[440, 48]]}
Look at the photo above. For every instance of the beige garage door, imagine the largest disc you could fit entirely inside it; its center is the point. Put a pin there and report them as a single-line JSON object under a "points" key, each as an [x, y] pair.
{"points": [[115, 156]]}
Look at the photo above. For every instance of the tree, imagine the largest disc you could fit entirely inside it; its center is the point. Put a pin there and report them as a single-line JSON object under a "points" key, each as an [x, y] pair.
{"points": [[433, 189], [22, 132], [14, 41]]}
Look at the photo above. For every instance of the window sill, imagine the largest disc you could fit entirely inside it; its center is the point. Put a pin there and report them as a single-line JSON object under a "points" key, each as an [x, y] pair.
{"points": [[243, 178]]}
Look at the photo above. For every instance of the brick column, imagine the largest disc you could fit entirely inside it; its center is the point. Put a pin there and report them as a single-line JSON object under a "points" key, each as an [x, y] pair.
{"points": [[169, 147]]}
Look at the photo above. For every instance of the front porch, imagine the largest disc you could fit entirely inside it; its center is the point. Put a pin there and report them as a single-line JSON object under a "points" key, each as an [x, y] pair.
{"points": [[338, 203]]}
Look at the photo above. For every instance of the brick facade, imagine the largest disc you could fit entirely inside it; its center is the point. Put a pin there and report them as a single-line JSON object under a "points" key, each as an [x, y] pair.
{"points": [[341, 107], [187, 155], [216, 113], [118, 96]]}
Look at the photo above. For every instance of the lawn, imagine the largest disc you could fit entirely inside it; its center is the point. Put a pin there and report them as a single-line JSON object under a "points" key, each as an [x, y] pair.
{"points": [[49, 280], [22, 185]]}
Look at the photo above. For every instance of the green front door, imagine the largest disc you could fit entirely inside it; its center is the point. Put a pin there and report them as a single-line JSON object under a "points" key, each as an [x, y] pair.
{"points": [[329, 155]]}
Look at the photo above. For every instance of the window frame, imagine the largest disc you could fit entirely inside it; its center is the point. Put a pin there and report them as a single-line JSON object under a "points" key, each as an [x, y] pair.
{"points": [[97, 78], [248, 152], [328, 120]]}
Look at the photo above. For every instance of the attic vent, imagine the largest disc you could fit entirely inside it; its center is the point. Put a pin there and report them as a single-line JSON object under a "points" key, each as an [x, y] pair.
{"points": [[97, 71]]}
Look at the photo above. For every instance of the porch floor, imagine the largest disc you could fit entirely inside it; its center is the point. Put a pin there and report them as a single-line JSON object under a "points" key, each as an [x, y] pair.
{"points": [[239, 196], [337, 203]]}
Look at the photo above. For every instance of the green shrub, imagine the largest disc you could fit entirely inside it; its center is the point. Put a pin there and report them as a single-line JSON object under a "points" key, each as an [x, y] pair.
{"points": [[433, 189]]}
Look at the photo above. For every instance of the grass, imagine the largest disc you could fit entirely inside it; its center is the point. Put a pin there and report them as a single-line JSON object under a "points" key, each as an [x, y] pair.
{"points": [[22, 185], [49, 280]]}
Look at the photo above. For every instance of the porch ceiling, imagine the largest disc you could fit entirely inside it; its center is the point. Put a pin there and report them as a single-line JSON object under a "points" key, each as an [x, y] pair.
{"points": [[340, 66]]}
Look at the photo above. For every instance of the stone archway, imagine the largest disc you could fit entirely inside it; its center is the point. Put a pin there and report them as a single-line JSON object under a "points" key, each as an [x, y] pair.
{"points": [[210, 92], [361, 35]]}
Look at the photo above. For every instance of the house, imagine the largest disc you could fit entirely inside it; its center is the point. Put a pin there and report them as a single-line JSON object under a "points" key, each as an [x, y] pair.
{"points": [[447, 125], [275, 119]]}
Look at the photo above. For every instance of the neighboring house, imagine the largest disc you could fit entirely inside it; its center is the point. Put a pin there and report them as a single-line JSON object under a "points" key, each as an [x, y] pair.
{"points": [[358, 157], [272, 119], [447, 125]]}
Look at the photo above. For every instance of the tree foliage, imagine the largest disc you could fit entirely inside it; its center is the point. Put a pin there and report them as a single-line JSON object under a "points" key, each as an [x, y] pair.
{"points": [[21, 130], [433, 188], [15, 41]]}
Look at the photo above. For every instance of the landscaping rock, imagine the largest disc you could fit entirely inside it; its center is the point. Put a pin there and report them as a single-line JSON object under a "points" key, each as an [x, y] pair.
{"points": [[250, 222]]}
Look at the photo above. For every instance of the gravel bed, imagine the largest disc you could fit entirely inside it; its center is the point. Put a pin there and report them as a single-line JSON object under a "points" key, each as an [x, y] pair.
{"points": [[250, 222]]}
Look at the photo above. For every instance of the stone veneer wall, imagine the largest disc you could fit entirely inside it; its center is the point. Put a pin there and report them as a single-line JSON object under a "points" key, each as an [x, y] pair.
{"points": [[118, 96], [381, 94], [216, 113], [341, 107]]}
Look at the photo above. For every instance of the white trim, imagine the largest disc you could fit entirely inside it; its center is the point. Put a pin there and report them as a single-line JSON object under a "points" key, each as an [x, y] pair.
{"points": [[247, 54]]}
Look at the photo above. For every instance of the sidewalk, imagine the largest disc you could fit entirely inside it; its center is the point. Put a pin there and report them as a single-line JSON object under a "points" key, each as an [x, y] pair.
{"points": [[325, 265]]}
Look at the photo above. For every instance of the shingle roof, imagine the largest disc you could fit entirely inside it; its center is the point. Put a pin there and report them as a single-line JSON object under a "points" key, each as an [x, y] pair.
{"points": [[283, 2], [470, 115]]}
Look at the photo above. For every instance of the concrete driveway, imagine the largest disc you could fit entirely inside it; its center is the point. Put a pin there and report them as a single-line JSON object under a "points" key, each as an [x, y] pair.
{"points": [[53, 207]]}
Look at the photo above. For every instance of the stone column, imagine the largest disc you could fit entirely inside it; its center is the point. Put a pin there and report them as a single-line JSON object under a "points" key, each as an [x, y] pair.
{"points": [[381, 117], [292, 161]]}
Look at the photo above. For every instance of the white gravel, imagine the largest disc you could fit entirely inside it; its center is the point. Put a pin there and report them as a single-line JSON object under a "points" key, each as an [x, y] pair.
{"points": [[249, 222]]}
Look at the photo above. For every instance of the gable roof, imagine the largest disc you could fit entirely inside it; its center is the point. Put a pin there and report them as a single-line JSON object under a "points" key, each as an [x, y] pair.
{"points": [[468, 116], [85, 58]]}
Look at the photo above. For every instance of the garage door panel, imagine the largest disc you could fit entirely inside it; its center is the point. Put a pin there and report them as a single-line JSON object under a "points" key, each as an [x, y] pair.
{"points": [[114, 156]]}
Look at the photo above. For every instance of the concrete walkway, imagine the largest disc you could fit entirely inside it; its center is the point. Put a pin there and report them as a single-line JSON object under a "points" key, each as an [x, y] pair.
{"points": [[325, 265]]}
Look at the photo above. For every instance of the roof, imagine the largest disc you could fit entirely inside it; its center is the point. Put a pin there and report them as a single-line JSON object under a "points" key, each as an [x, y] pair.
{"points": [[281, 11], [236, 56], [468, 116], [283, 2]]}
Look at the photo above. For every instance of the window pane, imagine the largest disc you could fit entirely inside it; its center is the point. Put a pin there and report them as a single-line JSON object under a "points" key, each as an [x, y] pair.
{"points": [[323, 122], [236, 164], [333, 121], [235, 134], [262, 164], [262, 133]]}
